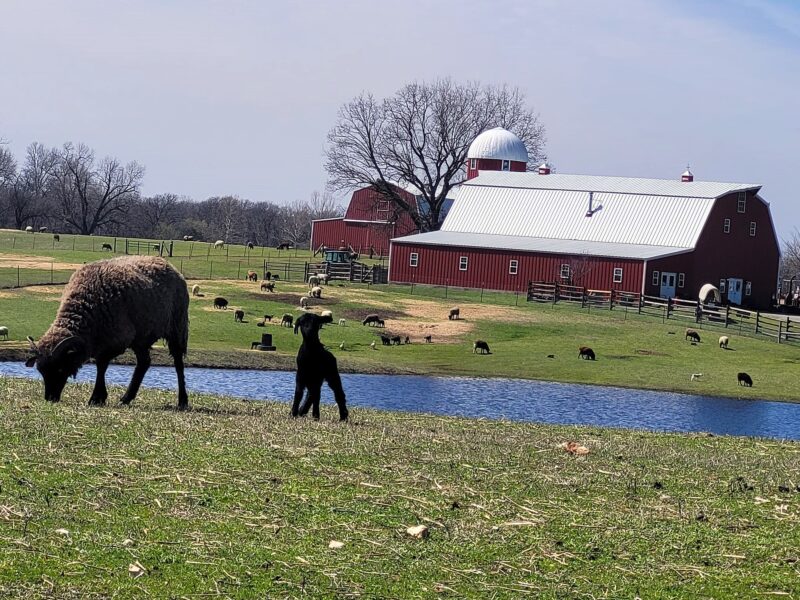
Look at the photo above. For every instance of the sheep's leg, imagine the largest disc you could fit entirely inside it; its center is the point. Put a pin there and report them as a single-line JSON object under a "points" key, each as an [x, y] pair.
{"points": [[183, 398], [312, 400], [298, 396], [100, 394], [335, 383], [142, 364]]}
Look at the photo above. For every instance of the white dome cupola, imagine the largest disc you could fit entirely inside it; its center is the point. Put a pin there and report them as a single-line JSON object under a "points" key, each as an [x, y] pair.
{"points": [[496, 150]]}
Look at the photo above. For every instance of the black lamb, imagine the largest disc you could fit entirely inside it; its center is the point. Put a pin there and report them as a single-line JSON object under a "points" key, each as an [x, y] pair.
{"points": [[315, 365]]}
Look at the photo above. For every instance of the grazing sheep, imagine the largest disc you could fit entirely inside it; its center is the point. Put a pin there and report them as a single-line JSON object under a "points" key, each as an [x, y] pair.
{"points": [[267, 286], [370, 320], [315, 365], [695, 376], [324, 278], [252, 276], [407, 340], [219, 244], [428, 339], [250, 245], [482, 346], [268, 275], [263, 322], [723, 342], [326, 313], [107, 247], [342, 322], [304, 301], [195, 290], [275, 277], [268, 318], [29, 229], [455, 313], [313, 281], [380, 323], [188, 238], [157, 247], [396, 340], [284, 246], [372, 344], [56, 237], [107, 307], [238, 316], [287, 320], [4, 332], [221, 303], [316, 292], [386, 340], [692, 334], [42, 229], [744, 379], [586, 352]]}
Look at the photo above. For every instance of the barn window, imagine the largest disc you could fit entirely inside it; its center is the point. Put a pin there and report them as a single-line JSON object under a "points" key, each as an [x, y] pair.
{"points": [[748, 288], [472, 163], [565, 271], [506, 165], [722, 283], [462, 263], [512, 267], [413, 260], [726, 226], [740, 205], [618, 275], [752, 229], [656, 276], [681, 279]]}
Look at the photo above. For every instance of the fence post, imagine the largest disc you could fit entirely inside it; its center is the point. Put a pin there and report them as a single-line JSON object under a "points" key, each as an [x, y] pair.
{"points": [[51, 272], [17, 275], [641, 301], [555, 292], [210, 268], [73, 242], [758, 317], [482, 284], [34, 243], [516, 299], [115, 245], [780, 330], [727, 314], [239, 270]]}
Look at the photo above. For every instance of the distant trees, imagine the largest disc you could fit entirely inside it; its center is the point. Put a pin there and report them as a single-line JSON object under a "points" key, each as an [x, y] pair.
{"points": [[790, 257], [420, 137]]}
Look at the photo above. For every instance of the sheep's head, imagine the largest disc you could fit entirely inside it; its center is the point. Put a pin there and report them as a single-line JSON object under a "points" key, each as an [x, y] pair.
{"points": [[58, 365]]}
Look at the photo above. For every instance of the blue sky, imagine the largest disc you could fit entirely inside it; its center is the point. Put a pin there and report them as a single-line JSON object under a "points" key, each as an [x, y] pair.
{"points": [[237, 97]]}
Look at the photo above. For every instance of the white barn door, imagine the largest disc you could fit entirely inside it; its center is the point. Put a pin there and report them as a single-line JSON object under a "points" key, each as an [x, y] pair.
{"points": [[735, 291]]}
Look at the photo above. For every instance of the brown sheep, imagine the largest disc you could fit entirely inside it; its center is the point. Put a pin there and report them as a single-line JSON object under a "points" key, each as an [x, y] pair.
{"points": [[691, 334], [482, 346], [586, 352], [107, 307], [238, 316], [252, 276]]}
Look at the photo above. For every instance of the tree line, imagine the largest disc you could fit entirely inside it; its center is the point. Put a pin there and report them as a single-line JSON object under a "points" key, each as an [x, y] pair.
{"points": [[70, 190]]}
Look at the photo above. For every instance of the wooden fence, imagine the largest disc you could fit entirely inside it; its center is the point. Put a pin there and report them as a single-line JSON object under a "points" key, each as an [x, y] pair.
{"points": [[692, 312]]}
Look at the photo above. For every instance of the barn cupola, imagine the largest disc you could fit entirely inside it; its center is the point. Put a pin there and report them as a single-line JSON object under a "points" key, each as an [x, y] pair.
{"points": [[496, 150], [544, 169], [687, 175]]}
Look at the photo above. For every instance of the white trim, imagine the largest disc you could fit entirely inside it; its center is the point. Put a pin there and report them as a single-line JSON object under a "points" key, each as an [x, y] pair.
{"points": [[562, 269], [723, 285], [741, 201], [752, 229], [681, 280], [655, 278], [515, 263], [329, 219], [748, 288], [413, 259], [726, 225], [463, 263], [617, 278]]}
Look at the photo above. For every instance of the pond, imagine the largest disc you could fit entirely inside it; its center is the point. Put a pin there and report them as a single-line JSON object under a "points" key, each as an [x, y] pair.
{"points": [[513, 399]]}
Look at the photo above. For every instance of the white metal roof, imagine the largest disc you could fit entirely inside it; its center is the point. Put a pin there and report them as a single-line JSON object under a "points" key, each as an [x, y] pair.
{"points": [[500, 144], [537, 244], [600, 183]]}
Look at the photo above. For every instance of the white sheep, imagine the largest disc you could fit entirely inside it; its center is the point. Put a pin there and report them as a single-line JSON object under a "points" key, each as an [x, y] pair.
{"points": [[342, 322], [195, 290], [304, 302], [29, 229], [324, 278], [219, 244], [4, 332], [723, 342], [316, 292], [327, 313]]}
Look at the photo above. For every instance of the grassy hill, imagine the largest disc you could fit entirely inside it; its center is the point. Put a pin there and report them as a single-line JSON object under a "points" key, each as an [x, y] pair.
{"points": [[234, 499]]}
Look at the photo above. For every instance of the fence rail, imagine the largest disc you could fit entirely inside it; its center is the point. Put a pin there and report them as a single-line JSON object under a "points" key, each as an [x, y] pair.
{"points": [[691, 312]]}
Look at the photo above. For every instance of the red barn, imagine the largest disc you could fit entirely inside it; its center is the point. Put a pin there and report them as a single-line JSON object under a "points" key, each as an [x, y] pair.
{"points": [[660, 237], [368, 224]]}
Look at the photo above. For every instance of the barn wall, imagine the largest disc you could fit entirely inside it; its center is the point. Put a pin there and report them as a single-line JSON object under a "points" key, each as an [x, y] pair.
{"points": [[491, 164], [488, 268], [720, 255]]}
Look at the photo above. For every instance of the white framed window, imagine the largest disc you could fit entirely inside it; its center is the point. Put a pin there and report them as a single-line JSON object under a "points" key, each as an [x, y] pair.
{"points": [[472, 163], [742, 202], [506, 165], [748, 288], [656, 277], [726, 226], [618, 275], [565, 271], [513, 266], [722, 285], [463, 262], [681, 279], [752, 229], [413, 259]]}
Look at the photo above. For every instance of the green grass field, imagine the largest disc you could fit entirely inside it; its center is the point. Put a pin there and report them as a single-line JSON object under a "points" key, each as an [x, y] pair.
{"points": [[236, 500], [632, 350]]}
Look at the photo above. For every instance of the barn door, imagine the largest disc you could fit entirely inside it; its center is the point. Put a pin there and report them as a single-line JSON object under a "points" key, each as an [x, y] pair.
{"points": [[735, 291], [668, 285]]}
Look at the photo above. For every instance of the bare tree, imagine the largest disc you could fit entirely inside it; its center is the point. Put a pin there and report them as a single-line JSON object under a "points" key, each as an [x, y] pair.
{"points": [[323, 206], [93, 195], [158, 215], [420, 138], [296, 223], [790, 257]]}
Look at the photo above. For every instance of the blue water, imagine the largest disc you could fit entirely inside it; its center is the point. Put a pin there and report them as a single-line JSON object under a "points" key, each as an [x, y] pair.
{"points": [[513, 399]]}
